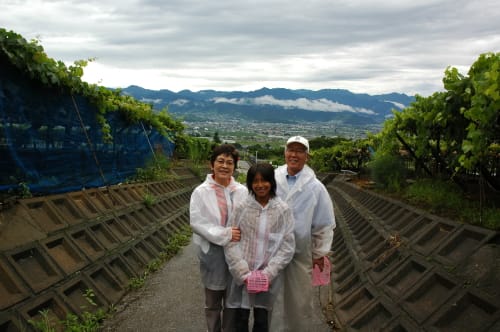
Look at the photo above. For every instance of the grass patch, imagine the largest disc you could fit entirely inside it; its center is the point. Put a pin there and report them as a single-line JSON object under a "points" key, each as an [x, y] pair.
{"points": [[155, 169], [149, 199], [170, 249], [89, 321], [447, 200], [437, 196], [176, 242]]}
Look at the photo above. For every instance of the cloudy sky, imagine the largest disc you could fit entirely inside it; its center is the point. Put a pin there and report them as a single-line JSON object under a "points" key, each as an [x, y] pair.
{"points": [[364, 46]]}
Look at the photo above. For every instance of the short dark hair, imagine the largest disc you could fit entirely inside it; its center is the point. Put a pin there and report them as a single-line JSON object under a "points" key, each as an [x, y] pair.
{"points": [[267, 172], [227, 150]]}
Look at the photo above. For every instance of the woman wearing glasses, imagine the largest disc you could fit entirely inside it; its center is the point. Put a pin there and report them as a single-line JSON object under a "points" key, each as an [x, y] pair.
{"points": [[210, 207]]}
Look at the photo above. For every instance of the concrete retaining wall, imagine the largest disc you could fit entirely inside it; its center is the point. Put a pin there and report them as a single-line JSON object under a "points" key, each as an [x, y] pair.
{"points": [[397, 268], [54, 248]]}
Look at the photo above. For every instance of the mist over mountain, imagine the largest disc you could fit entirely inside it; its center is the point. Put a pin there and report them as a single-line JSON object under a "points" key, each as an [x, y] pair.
{"points": [[276, 105]]}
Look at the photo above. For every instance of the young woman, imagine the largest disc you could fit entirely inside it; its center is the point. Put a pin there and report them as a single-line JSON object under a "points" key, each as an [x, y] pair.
{"points": [[210, 208], [266, 246]]}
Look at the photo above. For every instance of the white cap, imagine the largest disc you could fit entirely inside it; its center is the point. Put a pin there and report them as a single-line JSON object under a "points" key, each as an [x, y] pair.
{"points": [[298, 139]]}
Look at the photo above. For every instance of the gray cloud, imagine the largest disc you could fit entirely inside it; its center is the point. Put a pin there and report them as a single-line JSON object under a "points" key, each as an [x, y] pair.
{"points": [[321, 105], [364, 46]]}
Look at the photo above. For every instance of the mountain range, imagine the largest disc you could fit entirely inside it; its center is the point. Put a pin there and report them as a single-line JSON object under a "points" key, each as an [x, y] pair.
{"points": [[277, 105]]}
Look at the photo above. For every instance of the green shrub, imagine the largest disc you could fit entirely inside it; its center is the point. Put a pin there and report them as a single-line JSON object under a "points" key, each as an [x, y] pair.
{"points": [[445, 198], [24, 190], [149, 199], [242, 178], [487, 217], [170, 249], [155, 169], [388, 172], [136, 282], [45, 323], [90, 320], [437, 195]]}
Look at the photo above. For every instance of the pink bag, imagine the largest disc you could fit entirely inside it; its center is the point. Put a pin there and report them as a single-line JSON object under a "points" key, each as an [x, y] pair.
{"points": [[257, 282], [320, 278]]}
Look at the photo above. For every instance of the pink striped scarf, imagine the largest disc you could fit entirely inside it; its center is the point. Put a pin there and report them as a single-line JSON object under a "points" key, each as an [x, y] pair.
{"points": [[221, 202]]}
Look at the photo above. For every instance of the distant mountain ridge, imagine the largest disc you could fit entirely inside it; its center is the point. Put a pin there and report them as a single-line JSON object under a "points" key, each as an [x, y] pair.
{"points": [[276, 105]]}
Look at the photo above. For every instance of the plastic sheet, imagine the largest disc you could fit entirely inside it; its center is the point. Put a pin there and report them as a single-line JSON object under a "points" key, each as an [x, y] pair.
{"points": [[44, 144]]}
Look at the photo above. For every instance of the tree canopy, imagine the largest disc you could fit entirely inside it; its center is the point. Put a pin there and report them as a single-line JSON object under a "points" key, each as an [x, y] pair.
{"points": [[457, 131]]}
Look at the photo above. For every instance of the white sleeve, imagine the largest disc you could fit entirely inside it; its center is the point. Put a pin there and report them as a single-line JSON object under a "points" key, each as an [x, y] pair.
{"points": [[323, 224], [238, 266], [205, 221]]}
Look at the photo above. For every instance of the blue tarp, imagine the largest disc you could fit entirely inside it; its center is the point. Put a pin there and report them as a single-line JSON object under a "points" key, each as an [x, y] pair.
{"points": [[44, 144]]}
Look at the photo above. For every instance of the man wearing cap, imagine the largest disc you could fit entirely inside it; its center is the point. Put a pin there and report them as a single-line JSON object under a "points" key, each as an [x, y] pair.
{"points": [[314, 223]]}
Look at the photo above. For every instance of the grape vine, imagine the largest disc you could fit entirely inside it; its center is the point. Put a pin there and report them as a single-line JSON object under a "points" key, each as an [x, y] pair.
{"points": [[31, 59]]}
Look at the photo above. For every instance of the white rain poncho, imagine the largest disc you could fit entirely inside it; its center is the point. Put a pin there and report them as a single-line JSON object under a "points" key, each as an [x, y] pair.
{"points": [[314, 223], [209, 234], [267, 244]]}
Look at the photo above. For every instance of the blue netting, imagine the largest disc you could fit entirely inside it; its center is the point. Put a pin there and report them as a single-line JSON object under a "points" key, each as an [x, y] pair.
{"points": [[43, 144]]}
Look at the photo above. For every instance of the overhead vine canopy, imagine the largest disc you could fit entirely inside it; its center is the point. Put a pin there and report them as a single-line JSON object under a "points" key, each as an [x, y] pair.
{"points": [[30, 58]]}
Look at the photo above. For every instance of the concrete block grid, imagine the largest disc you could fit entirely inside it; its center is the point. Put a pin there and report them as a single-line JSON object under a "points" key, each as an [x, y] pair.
{"points": [[54, 248], [397, 268]]}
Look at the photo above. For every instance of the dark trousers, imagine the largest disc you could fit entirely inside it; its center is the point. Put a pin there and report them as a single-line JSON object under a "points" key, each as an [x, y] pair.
{"points": [[241, 320], [214, 309]]}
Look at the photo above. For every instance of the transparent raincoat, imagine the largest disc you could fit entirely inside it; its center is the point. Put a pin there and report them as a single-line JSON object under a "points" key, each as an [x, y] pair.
{"points": [[314, 223], [209, 234], [267, 244]]}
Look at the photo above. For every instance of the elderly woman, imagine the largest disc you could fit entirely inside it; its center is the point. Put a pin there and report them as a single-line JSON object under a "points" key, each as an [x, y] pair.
{"points": [[211, 206]]}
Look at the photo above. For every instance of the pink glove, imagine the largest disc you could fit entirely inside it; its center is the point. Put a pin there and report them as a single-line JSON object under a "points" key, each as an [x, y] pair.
{"points": [[321, 277], [257, 282]]}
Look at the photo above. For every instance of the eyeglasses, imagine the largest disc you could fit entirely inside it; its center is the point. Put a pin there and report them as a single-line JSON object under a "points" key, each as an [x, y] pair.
{"points": [[228, 162], [298, 151]]}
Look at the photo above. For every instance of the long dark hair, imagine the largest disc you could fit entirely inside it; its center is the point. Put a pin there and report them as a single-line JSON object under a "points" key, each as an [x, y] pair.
{"points": [[267, 172]]}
